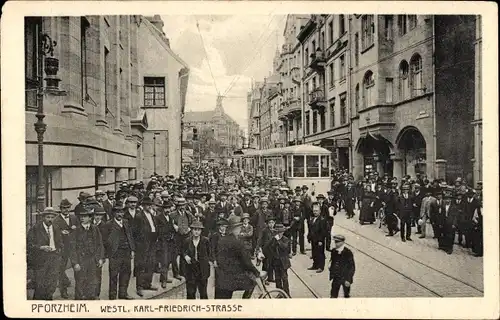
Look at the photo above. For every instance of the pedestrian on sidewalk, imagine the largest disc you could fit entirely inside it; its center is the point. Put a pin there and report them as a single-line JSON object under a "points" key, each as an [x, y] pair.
{"points": [[145, 239], [65, 222], [45, 245], [318, 232], [405, 211], [167, 246], [119, 246], [86, 254], [99, 214], [197, 256], [342, 268]]}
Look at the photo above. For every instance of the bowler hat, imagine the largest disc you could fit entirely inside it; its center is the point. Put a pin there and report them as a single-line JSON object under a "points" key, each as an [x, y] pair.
{"points": [[330, 191], [222, 222], [117, 208], [84, 212], [320, 196], [99, 210], [65, 203], [304, 187], [196, 225], [146, 201], [212, 201], [269, 218], [110, 192], [297, 188]]}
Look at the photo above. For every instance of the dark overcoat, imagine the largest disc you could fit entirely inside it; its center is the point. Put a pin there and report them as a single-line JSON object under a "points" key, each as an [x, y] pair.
{"points": [[235, 268]]}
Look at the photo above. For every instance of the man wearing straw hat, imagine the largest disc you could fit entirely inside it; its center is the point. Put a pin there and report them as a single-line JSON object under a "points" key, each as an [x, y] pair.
{"points": [[45, 244], [235, 269]]}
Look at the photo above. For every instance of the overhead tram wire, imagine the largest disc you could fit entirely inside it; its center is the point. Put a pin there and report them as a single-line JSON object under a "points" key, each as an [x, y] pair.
{"points": [[206, 56], [256, 43], [253, 58]]}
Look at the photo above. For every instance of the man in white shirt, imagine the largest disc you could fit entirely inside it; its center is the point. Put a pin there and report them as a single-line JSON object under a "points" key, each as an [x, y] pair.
{"points": [[44, 255]]}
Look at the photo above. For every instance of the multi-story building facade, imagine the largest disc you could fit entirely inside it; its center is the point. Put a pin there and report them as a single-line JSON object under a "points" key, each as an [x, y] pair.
{"points": [[478, 106], [253, 114], [269, 98], [380, 92], [96, 124], [290, 109], [216, 122], [161, 77]]}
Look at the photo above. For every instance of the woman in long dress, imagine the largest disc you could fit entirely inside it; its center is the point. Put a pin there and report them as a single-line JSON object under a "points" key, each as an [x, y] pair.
{"points": [[367, 206]]}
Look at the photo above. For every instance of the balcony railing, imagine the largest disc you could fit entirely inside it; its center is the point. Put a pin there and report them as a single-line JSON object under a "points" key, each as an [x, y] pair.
{"points": [[317, 60], [317, 98]]}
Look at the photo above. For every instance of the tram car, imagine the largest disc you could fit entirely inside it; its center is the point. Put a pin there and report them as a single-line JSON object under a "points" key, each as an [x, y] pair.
{"points": [[297, 165]]}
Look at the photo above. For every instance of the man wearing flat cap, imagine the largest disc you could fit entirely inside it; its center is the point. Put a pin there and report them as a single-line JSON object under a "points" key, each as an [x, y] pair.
{"points": [[342, 268], [65, 222], [44, 246]]}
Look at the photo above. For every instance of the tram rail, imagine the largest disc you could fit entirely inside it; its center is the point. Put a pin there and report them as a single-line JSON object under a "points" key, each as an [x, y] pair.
{"points": [[431, 269]]}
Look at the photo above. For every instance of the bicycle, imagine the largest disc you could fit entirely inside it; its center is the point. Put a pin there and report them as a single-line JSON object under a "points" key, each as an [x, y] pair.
{"points": [[269, 294]]}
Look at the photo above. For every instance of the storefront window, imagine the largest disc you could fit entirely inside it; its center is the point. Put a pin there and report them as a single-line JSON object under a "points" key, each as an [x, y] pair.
{"points": [[325, 166], [289, 164], [313, 166], [298, 166]]}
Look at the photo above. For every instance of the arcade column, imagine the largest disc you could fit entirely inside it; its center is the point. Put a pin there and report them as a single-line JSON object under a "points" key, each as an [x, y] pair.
{"points": [[379, 165], [397, 166]]}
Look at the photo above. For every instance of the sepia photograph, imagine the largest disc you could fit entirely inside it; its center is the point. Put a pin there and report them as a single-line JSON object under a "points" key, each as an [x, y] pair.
{"points": [[275, 155]]}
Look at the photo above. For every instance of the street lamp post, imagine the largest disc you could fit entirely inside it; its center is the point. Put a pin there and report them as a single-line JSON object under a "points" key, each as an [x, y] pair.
{"points": [[51, 67]]}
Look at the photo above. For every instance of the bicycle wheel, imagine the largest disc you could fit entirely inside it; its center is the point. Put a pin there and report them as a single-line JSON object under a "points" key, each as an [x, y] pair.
{"points": [[274, 294]]}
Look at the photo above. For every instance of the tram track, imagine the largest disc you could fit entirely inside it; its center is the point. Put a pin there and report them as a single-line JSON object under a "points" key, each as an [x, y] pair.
{"points": [[429, 269], [308, 287]]}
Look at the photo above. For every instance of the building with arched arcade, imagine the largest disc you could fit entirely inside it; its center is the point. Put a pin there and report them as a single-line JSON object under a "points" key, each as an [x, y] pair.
{"points": [[393, 94]]}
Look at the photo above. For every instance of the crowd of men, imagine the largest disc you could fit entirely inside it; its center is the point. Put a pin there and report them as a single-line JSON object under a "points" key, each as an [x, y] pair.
{"points": [[213, 217]]}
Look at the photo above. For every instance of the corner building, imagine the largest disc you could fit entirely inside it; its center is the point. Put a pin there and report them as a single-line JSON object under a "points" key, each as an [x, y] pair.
{"points": [[391, 93], [97, 127]]}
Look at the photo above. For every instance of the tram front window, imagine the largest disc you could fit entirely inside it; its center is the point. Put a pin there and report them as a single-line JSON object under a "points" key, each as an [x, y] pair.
{"points": [[298, 166], [313, 166], [325, 166]]}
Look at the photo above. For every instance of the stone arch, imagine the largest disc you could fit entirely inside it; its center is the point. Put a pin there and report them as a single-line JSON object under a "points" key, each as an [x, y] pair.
{"points": [[411, 145]]}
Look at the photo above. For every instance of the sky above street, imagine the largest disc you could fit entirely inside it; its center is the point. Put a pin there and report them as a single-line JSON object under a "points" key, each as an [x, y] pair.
{"points": [[239, 48]]}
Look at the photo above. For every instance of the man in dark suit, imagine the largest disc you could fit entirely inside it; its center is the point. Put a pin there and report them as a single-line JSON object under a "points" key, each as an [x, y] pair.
{"points": [[65, 222], [119, 246], [82, 197], [99, 222], [417, 197], [297, 226], [246, 203], [318, 232], [223, 205], [109, 203], [44, 248], [447, 221], [349, 199], [342, 268], [196, 253], [145, 236], [166, 246], [471, 205], [278, 251], [86, 255], [235, 270], [405, 211]]}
